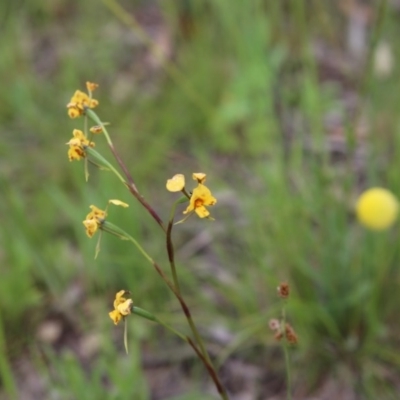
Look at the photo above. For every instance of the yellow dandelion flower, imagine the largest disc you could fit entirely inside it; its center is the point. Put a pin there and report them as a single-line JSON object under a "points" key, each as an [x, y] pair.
{"points": [[122, 306], [176, 183], [200, 198], [377, 208]]}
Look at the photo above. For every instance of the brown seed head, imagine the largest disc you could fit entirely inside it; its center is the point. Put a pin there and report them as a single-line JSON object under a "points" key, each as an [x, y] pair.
{"points": [[283, 290], [290, 334]]}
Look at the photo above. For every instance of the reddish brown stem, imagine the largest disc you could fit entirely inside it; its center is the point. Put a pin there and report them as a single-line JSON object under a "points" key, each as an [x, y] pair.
{"points": [[186, 310], [133, 189], [210, 369]]}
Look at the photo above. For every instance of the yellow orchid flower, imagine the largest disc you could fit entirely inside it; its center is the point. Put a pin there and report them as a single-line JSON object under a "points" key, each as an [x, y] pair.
{"points": [[200, 198], [95, 219], [77, 145], [122, 306], [79, 102]]}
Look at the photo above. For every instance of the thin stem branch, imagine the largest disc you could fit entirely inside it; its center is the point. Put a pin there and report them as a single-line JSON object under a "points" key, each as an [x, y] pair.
{"points": [[171, 257], [170, 248], [129, 183], [111, 228], [288, 371], [286, 354]]}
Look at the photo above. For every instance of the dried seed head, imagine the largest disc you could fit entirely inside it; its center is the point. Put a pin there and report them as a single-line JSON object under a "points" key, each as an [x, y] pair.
{"points": [[283, 290], [290, 334]]}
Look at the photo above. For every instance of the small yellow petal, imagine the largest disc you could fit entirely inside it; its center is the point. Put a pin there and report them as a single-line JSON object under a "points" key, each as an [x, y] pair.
{"points": [[377, 209], [93, 103], [91, 226], [91, 87], [115, 315], [118, 203], [78, 134], [119, 297], [74, 112], [96, 129], [96, 213], [202, 212], [199, 177], [125, 307], [176, 183], [75, 153]]}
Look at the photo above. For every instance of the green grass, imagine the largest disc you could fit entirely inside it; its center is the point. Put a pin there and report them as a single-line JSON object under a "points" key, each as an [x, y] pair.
{"points": [[241, 100]]}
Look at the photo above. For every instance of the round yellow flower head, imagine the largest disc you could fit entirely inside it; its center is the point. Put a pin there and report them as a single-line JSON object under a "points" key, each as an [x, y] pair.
{"points": [[176, 183], [377, 209]]}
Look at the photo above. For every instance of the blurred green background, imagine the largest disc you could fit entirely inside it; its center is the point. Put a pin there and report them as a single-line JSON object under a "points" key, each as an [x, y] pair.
{"points": [[290, 107]]}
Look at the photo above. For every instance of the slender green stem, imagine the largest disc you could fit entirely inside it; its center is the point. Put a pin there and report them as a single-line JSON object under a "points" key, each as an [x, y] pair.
{"points": [[188, 340], [288, 371], [286, 353], [209, 367], [170, 247], [5, 367], [130, 184], [173, 330], [103, 162], [171, 257], [202, 353]]}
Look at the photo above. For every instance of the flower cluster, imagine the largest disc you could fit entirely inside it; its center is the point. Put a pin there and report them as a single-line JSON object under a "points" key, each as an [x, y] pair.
{"points": [[122, 306], [283, 330], [200, 197], [80, 101], [94, 220], [77, 145]]}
